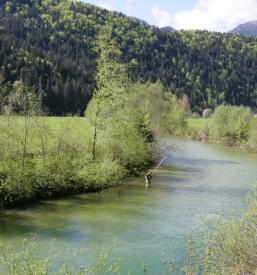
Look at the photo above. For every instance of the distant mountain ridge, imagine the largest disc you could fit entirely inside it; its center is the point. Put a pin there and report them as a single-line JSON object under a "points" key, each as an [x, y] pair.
{"points": [[167, 28], [140, 21], [249, 28]]}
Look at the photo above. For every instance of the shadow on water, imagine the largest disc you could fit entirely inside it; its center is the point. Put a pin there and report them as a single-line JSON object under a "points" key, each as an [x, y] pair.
{"points": [[181, 184], [200, 162], [227, 192], [11, 223], [16, 225], [69, 218]]}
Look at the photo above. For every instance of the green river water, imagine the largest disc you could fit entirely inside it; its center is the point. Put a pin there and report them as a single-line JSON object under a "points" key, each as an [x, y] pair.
{"points": [[197, 182]]}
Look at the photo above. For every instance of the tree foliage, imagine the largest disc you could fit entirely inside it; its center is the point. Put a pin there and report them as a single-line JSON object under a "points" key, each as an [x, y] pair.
{"points": [[51, 47]]}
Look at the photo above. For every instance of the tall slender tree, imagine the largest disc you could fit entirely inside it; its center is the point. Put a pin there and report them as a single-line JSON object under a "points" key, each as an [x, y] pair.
{"points": [[111, 80]]}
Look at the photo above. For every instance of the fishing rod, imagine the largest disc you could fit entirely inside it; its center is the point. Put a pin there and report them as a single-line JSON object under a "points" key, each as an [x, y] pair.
{"points": [[166, 147], [160, 163]]}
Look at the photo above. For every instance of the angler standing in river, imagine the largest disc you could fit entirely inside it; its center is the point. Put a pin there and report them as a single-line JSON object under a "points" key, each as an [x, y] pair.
{"points": [[148, 176], [148, 179]]}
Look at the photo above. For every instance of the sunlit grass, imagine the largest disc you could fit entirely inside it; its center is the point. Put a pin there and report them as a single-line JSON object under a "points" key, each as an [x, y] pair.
{"points": [[197, 123], [53, 127]]}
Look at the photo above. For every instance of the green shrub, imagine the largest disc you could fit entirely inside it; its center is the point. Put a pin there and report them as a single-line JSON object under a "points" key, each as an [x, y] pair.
{"points": [[232, 245], [100, 175], [165, 114], [229, 125], [16, 184], [252, 142], [56, 177], [124, 143]]}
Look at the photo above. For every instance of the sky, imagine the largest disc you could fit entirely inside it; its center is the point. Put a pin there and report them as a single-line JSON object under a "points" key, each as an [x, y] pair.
{"points": [[212, 15]]}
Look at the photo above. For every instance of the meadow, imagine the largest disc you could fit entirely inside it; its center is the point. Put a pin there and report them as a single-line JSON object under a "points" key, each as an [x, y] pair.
{"points": [[68, 127], [197, 123]]}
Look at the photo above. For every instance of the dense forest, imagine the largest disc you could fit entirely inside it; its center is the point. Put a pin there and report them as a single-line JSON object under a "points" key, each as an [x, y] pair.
{"points": [[50, 45]]}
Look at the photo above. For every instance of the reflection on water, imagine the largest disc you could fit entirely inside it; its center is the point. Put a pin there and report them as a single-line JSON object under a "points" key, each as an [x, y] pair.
{"points": [[199, 180]]}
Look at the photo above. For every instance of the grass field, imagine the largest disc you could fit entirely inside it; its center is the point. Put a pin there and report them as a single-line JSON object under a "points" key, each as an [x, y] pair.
{"points": [[76, 129], [197, 123], [69, 127], [78, 126], [54, 123]]}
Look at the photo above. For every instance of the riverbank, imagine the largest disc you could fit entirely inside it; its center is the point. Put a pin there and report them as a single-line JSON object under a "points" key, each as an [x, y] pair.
{"points": [[57, 159], [49, 157], [229, 125]]}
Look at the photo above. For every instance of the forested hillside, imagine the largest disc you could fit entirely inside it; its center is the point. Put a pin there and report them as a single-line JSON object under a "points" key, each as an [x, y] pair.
{"points": [[50, 46]]}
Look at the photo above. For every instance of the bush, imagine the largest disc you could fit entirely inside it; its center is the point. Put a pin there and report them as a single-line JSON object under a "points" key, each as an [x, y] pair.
{"points": [[166, 116], [230, 125], [16, 184], [232, 245], [252, 142], [125, 144], [57, 177], [99, 175]]}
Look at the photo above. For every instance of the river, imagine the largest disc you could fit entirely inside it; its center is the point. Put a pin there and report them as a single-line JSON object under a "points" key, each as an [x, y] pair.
{"points": [[196, 183]]}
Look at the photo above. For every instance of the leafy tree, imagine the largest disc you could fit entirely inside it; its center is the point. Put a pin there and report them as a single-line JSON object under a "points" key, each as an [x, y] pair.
{"points": [[111, 83]]}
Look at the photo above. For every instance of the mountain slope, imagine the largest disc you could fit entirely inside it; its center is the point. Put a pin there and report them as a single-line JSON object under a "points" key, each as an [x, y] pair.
{"points": [[249, 28], [50, 46]]}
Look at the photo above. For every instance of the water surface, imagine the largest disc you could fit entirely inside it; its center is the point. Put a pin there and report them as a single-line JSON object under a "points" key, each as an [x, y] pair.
{"points": [[197, 182]]}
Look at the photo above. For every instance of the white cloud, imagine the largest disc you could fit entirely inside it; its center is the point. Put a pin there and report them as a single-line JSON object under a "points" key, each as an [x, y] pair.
{"points": [[106, 6], [215, 15], [128, 5], [163, 17]]}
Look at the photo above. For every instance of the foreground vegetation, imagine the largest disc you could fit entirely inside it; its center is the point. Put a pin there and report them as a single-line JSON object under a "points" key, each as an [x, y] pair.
{"points": [[231, 245]]}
